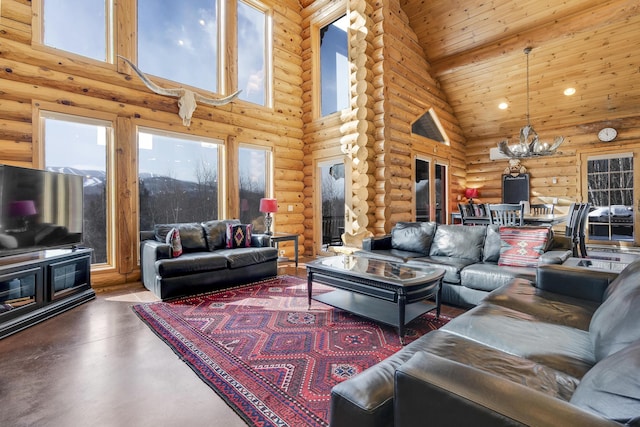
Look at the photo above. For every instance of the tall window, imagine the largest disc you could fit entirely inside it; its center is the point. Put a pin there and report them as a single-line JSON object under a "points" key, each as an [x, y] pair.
{"points": [[179, 42], [431, 191], [252, 54], [254, 168], [179, 178], [78, 26], [79, 146], [334, 66], [610, 187]]}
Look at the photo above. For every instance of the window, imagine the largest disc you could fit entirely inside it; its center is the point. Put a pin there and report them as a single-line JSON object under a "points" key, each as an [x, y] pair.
{"points": [[429, 126], [610, 185], [78, 26], [334, 66], [178, 178], [431, 191], [79, 146], [254, 168], [179, 43], [252, 54]]}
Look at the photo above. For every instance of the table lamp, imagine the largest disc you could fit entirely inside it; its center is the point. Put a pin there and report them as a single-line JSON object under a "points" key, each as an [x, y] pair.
{"points": [[470, 193], [268, 206]]}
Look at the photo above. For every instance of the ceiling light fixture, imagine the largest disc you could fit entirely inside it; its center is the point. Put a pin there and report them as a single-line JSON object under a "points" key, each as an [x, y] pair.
{"points": [[503, 106], [570, 91], [529, 145]]}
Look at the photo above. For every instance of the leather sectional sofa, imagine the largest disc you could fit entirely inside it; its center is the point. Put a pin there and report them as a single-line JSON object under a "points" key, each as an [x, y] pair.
{"points": [[563, 351], [206, 263], [470, 255]]}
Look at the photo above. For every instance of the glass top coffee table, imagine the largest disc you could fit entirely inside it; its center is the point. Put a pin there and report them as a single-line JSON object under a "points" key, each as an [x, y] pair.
{"points": [[388, 292]]}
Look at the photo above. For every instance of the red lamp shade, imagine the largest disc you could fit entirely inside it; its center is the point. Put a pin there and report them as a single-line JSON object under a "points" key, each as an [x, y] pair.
{"points": [[268, 205], [471, 193], [22, 208]]}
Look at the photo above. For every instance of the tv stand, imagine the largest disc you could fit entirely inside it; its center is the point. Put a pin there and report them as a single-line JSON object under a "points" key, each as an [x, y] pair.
{"points": [[38, 285]]}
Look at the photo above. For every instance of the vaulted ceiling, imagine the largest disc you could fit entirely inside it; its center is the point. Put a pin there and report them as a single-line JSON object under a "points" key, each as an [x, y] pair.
{"points": [[476, 51]]}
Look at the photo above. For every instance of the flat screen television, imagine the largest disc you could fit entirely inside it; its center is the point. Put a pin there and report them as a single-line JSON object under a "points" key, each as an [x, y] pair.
{"points": [[39, 210]]}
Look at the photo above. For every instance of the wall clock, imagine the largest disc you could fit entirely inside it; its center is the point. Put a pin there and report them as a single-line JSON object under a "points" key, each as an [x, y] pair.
{"points": [[607, 134]]}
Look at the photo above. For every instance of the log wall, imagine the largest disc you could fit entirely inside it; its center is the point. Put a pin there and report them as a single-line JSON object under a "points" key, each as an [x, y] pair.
{"points": [[34, 77]]}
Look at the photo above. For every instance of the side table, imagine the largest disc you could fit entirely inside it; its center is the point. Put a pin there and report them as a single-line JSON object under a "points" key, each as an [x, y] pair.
{"points": [[276, 238]]}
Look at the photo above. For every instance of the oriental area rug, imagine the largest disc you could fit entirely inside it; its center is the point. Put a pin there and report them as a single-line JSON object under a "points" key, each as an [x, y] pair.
{"points": [[269, 356]]}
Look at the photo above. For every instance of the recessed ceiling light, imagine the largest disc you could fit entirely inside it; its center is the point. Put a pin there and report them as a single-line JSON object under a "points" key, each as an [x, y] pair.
{"points": [[503, 106], [570, 91]]}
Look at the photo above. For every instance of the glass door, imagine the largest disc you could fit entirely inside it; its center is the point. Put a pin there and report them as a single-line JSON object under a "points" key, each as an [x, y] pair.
{"points": [[609, 185], [430, 191], [332, 200]]}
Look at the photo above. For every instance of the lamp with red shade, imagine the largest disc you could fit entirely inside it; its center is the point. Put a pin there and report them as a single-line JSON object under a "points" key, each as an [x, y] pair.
{"points": [[470, 193], [268, 206]]}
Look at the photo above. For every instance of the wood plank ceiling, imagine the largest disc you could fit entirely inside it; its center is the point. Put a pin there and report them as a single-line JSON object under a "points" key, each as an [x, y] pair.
{"points": [[476, 51]]}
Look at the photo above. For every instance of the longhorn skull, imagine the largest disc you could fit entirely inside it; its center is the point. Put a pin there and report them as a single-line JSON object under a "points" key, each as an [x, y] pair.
{"points": [[186, 98]]}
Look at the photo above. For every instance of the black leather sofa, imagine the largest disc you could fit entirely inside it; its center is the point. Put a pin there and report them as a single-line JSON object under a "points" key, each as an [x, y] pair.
{"points": [[205, 264], [468, 253], [564, 351]]}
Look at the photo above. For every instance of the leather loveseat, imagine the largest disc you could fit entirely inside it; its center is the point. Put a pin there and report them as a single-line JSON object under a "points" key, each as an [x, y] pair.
{"points": [[469, 254], [206, 263], [564, 351]]}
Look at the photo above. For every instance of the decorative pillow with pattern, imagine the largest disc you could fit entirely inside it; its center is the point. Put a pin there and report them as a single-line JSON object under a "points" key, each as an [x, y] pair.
{"points": [[173, 240], [522, 246], [238, 235]]}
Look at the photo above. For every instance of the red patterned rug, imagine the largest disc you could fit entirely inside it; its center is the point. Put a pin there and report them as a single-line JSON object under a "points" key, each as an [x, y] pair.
{"points": [[273, 360]]}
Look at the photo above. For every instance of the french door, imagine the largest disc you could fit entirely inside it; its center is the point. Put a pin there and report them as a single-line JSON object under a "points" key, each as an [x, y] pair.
{"points": [[609, 181], [430, 190], [330, 205]]}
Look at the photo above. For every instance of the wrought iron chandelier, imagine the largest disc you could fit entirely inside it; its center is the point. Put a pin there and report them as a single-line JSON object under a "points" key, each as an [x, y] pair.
{"points": [[529, 144]]}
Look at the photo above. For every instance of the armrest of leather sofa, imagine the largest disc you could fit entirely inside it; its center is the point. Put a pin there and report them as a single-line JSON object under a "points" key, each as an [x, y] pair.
{"points": [[379, 242], [577, 282], [431, 390], [150, 252], [554, 256], [260, 240]]}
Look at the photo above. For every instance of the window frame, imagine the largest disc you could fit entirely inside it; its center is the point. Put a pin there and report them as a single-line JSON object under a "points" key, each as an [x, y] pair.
{"points": [[46, 110], [221, 158], [37, 34], [328, 15], [269, 170]]}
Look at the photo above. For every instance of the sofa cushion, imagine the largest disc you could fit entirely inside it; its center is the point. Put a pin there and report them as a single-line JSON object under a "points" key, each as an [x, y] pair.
{"points": [[615, 324], [612, 387], [238, 235], [459, 241], [559, 347], [190, 263], [413, 236], [243, 257], [451, 266], [215, 232], [191, 235], [522, 295], [489, 276], [522, 246], [173, 240]]}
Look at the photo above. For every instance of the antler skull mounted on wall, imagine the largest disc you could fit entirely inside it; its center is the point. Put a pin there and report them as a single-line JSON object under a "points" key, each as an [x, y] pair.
{"points": [[186, 98]]}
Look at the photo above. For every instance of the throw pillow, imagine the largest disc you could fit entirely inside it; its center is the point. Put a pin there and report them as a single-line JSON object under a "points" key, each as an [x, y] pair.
{"points": [[412, 236], [522, 246], [238, 235], [173, 240]]}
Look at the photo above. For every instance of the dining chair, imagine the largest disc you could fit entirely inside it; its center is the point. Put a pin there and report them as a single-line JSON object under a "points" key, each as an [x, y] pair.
{"points": [[506, 214], [582, 225], [542, 209]]}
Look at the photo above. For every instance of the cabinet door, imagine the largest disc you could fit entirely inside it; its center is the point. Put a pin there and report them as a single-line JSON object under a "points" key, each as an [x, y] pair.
{"points": [[20, 291], [65, 277]]}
